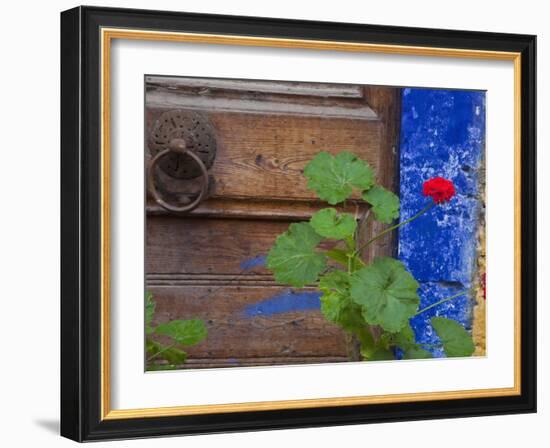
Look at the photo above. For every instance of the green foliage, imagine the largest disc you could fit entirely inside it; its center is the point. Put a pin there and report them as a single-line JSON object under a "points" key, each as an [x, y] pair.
{"points": [[329, 224], [161, 367], [335, 282], [293, 258], [184, 332], [181, 332], [373, 302], [406, 342], [149, 312], [332, 178], [456, 340], [417, 353], [170, 354], [405, 338], [385, 204], [386, 292], [346, 258], [336, 304], [380, 354]]}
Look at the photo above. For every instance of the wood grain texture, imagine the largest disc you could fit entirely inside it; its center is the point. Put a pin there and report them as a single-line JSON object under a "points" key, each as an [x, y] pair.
{"points": [[209, 246], [262, 156], [257, 209], [193, 262], [206, 246], [386, 101], [232, 335], [251, 88]]}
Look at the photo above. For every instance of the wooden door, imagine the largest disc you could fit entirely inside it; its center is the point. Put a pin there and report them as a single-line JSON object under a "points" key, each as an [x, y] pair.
{"points": [[207, 264]]}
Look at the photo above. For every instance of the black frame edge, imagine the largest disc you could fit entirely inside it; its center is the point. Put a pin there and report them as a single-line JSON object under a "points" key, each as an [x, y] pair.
{"points": [[71, 383], [80, 224], [529, 222]]}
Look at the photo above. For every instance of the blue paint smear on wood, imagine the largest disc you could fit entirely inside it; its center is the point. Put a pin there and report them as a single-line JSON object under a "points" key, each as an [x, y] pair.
{"points": [[285, 302], [254, 262], [442, 134]]}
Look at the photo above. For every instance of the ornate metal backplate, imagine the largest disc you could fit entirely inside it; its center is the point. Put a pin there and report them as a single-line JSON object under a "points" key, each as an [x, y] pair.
{"points": [[199, 135]]}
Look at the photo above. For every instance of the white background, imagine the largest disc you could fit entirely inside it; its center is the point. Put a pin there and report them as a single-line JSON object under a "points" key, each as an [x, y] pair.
{"points": [[29, 236], [132, 388]]}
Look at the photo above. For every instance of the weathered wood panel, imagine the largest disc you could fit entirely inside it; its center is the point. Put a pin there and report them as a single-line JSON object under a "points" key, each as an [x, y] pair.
{"points": [[225, 86], [219, 247], [258, 209], [194, 263], [235, 334], [207, 246], [196, 269], [263, 156], [386, 102]]}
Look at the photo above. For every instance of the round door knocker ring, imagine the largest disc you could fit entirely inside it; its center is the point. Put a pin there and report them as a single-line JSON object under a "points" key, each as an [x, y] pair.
{"points": [[177, 146]]}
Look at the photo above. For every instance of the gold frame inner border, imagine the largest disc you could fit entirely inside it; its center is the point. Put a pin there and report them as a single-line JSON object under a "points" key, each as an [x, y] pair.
{"points": [[107, 36]]}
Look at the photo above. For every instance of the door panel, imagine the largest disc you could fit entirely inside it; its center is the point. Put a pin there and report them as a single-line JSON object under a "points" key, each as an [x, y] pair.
{"points": [[207, 246], [236, 339], [262, 156], [199, 265]]}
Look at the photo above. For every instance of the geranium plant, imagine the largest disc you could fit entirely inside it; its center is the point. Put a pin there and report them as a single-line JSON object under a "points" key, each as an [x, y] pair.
{"points": [[372, 301], [181, 333]]}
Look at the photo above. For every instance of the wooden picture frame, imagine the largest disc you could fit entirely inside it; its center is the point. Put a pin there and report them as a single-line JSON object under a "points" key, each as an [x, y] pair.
{"points": [[86, 37]]}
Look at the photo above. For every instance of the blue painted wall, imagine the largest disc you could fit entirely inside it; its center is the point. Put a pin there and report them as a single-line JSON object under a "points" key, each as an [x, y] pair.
{"points": [[442, 134]]}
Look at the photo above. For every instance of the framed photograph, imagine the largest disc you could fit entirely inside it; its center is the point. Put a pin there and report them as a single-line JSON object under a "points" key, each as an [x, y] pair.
{"points": [[276, 224]]}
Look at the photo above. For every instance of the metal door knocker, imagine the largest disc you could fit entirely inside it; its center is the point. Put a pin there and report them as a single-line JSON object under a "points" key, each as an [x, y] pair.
{"points": [[183, 146]]}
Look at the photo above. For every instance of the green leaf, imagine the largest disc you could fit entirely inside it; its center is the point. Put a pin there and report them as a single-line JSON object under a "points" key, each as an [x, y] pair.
{"points": [[335, 281], [329, 224], [341, 256], [332, 178], [336, 304], [332, 306], [171, 354], [417, 353], [184, 332], [152, 347], [380, 354], [149, 312], [293, 258], [405, 338], [456, 340], [174, 355], [386, 293], [335, 288], [385, 204]]}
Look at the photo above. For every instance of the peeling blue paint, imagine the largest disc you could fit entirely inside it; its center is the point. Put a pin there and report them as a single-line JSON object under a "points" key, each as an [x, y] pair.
{"points": [[286, 301], [442, 134], [459, 309], [254, 262]]}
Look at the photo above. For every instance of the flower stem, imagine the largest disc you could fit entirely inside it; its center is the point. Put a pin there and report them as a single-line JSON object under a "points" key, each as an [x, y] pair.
{"points": [[442, 301], [396, 226]]}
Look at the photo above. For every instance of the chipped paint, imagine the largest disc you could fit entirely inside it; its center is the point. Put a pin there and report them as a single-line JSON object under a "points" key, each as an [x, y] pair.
{"points": [[287, 301], [442, 134], [254, 262]]}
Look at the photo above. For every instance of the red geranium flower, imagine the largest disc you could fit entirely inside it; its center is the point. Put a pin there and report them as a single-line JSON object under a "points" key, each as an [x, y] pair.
{"points": [[441, 190]]}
